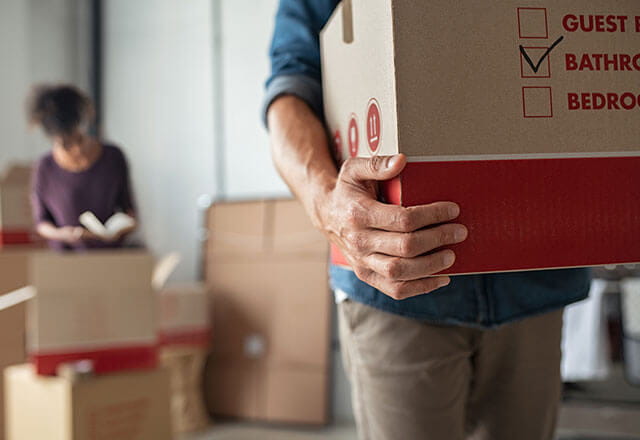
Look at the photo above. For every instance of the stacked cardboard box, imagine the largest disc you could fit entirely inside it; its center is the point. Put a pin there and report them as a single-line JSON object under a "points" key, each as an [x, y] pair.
{"points": [[185, 335], [94, 312], [267, 270], [96, 306], [16, 224], [123, 406], [13, 275], [523, 113]]}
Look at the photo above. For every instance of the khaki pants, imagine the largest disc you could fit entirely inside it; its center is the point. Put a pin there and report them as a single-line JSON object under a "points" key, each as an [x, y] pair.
{"points": [[417, 381]]}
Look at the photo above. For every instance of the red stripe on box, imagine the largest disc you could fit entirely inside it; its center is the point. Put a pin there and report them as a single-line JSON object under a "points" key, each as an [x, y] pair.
{"points": [[194, 337], [528, 214], [8, 237], [107, 360]]}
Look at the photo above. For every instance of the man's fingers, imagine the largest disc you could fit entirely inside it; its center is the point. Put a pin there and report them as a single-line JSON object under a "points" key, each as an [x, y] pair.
{"points": [[400, 219], [407, 244], [403, 289], [357, 170], [408, 269]]}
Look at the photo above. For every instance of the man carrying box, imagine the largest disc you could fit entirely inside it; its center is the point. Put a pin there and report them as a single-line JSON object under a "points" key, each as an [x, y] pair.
{"points": [[429, 357]]}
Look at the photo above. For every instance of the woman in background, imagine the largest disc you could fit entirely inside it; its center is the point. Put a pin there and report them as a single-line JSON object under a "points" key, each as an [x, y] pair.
{"points": [[79, 174]]}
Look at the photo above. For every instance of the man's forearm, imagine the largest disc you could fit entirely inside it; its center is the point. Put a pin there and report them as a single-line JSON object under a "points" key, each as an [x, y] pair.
{"points": [[301, 154]]}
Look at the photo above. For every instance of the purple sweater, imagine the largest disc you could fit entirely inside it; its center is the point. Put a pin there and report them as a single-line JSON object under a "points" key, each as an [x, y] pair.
{"points": [[60, 196]]}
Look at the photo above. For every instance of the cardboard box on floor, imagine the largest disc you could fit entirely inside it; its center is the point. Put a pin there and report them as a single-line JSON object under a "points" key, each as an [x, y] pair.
{"points": [[96, 306], [16, 224], [125, 406], [267, 269], [524, 113]]}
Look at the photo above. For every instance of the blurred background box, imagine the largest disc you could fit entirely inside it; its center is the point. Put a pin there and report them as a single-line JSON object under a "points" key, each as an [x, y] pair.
{"points": [[184, 315], [267, 272], [16, 223], [97, 306], [185, 365], [132, 406]]}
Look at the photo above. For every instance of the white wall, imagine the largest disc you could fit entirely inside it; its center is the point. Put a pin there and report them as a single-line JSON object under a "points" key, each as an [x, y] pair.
{"points": [[40, 41], [158, 106], [246, 32]]}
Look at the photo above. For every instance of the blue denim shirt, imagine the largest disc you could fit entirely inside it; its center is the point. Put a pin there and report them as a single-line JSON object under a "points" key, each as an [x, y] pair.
{"points": [[473, 300]]}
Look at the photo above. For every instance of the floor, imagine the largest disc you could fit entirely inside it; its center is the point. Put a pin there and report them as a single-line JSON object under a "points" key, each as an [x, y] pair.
{"points": [[593, 411], [578, 421]]}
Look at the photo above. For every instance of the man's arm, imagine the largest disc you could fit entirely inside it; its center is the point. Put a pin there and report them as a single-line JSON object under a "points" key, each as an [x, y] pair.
{"points": [[389, 247]]}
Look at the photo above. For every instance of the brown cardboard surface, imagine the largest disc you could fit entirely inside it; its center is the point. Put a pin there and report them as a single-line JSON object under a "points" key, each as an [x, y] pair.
{"points": [[235, 388], [257, 390], [14, 269], [271, 318], [293, 231], [237, 228], [15, 210], [297, 395], [285, 301], [92, 299], [183, 307], [130, 406], [480, 98]]}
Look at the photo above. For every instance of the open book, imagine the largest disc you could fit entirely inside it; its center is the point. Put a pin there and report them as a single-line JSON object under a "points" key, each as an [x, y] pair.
{"points": [[111, 228]]}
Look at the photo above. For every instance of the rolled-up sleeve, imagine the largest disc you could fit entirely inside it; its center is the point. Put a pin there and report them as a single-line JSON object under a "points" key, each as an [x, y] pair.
{"points": [[295, 52]]}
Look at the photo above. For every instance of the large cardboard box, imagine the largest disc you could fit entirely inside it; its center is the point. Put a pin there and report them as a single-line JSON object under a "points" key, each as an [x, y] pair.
{"points": [[123, 406], [96, 306], [184, 315], [267, 271], [524, 113], [16, 223]]}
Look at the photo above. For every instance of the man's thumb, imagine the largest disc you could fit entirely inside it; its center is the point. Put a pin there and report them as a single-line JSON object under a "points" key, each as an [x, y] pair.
{"points": [[360, 169]]}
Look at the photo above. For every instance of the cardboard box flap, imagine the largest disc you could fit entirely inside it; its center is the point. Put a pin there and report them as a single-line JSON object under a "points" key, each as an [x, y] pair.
{"points": [[237, 227], [164, 268], [17, 297]]}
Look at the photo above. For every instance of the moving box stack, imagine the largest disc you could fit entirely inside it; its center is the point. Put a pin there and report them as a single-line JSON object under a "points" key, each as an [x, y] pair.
{"points": [[16, 245], [90, 321], [185, 336], [16, 223], [266, 267]]}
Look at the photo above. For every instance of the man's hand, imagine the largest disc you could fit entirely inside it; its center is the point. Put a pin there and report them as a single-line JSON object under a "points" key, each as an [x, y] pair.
{"points": [[392, 248]]}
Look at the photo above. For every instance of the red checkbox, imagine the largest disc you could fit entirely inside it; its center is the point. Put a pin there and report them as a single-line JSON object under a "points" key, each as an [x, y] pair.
{"points": [[532, 23], [537, 102], [535, 54]]}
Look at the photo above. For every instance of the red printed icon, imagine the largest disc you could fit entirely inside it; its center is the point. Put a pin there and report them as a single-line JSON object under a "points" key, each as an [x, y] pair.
{"points": [[373, 125], [352, 135], [337, 145]]}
